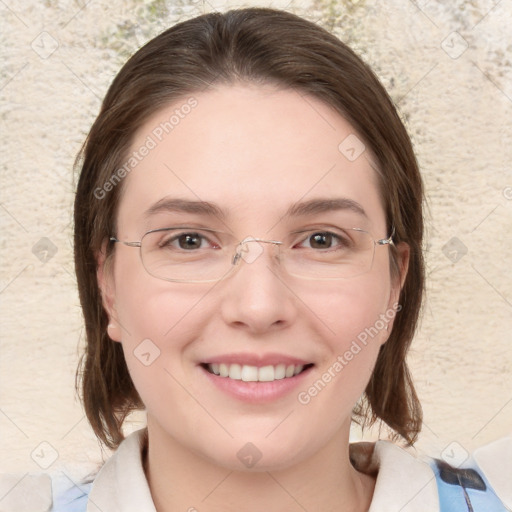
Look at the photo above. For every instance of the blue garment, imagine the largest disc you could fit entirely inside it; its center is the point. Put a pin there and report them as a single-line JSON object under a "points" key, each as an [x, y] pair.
{"points": [[69, 497], [464, 489]]}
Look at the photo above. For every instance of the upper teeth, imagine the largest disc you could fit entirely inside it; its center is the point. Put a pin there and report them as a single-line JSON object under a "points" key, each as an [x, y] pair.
{"points": [[253, 373]]}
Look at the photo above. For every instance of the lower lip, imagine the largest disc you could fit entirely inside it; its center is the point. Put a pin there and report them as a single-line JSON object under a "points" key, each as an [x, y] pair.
{"points": [[256, 392]]}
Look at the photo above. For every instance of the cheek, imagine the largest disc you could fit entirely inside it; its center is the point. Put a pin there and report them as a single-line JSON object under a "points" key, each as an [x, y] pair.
{"points": [[349, 309], [160, 324], [353, 320], [356, 319], [159, 320], [148, 307]]}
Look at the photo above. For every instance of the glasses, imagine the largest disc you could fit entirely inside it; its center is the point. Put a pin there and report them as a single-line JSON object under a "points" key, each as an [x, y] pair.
{"points": [[186, 254]]}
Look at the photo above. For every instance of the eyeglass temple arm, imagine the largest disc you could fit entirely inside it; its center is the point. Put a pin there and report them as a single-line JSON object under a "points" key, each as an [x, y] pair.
{"points": [[129, 244], [389, 240]]}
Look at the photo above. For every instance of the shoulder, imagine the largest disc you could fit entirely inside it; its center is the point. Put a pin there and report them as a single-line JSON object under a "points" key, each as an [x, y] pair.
{"points": [[402, 481], [69, 496], [409, 483], [481, 483], [42, 493], [121, 483]]}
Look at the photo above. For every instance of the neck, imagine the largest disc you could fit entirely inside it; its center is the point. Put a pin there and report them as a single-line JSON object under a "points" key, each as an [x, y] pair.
{"points": [[179, 479]]}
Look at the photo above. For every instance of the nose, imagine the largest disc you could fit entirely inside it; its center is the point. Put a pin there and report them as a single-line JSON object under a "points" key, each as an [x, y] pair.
{"points": [[255, 297]]}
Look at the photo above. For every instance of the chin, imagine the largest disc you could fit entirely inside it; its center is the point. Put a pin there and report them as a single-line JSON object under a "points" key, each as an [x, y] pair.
{"points": [[258, 455]]}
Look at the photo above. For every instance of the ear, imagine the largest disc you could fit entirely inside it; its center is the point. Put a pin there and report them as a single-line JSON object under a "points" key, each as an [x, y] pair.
{"points": [[403, 252], [106, 285]]}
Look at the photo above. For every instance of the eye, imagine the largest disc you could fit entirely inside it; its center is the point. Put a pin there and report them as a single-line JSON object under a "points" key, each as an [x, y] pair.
{"points": [[321, 240], [189, 241], [324, 240]]}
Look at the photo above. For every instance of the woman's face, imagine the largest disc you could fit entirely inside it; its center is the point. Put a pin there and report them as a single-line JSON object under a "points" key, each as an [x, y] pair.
{"points": [[265, 163]]}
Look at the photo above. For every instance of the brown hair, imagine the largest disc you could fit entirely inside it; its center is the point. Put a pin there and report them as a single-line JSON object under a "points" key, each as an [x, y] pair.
{"points": [[258, 46]]}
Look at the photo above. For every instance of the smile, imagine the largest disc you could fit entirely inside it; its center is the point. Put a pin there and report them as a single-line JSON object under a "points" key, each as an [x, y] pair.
{"points": [[248, 373]]}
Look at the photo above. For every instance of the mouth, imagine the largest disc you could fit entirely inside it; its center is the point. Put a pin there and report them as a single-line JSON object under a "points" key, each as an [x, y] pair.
{"points": [[249, 373]]}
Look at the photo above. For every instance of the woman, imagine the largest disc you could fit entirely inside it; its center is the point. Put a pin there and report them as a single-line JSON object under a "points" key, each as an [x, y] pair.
{"points": [[248, 230]]}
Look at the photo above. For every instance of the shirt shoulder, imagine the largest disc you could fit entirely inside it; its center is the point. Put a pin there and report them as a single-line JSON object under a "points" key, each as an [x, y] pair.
{"points": [[481, 483], [403, 482], [69, 496], [42, 492]]}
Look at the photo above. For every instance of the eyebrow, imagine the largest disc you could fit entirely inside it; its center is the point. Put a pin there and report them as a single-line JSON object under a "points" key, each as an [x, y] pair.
{"points": [[168, 204], [311, 207], [321, 205]]}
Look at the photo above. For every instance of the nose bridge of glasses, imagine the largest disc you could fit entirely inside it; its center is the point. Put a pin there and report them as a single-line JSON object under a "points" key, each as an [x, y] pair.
{"points": [[251, 252]]}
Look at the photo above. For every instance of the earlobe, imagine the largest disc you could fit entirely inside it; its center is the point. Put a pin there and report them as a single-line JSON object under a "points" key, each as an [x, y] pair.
{"points": [[386, 332], [114, 331], [106, 285]]}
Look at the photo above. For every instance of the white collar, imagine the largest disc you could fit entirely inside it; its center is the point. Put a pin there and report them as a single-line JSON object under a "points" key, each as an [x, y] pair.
{"points": [[404, 483], [495, 461], [121, 484]]}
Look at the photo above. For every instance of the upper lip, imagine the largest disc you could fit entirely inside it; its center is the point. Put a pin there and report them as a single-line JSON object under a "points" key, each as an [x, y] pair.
{"points": [[259, 360]]}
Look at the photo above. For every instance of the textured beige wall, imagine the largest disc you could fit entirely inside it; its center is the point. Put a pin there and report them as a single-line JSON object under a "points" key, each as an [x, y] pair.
{"points": [[449, 69]]}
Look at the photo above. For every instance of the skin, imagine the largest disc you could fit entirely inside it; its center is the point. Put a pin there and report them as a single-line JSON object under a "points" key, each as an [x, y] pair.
{"points": [[253, 151]]}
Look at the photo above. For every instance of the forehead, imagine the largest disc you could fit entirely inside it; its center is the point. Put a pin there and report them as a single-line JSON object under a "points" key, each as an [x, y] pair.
{"points": [[253, 151]]}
